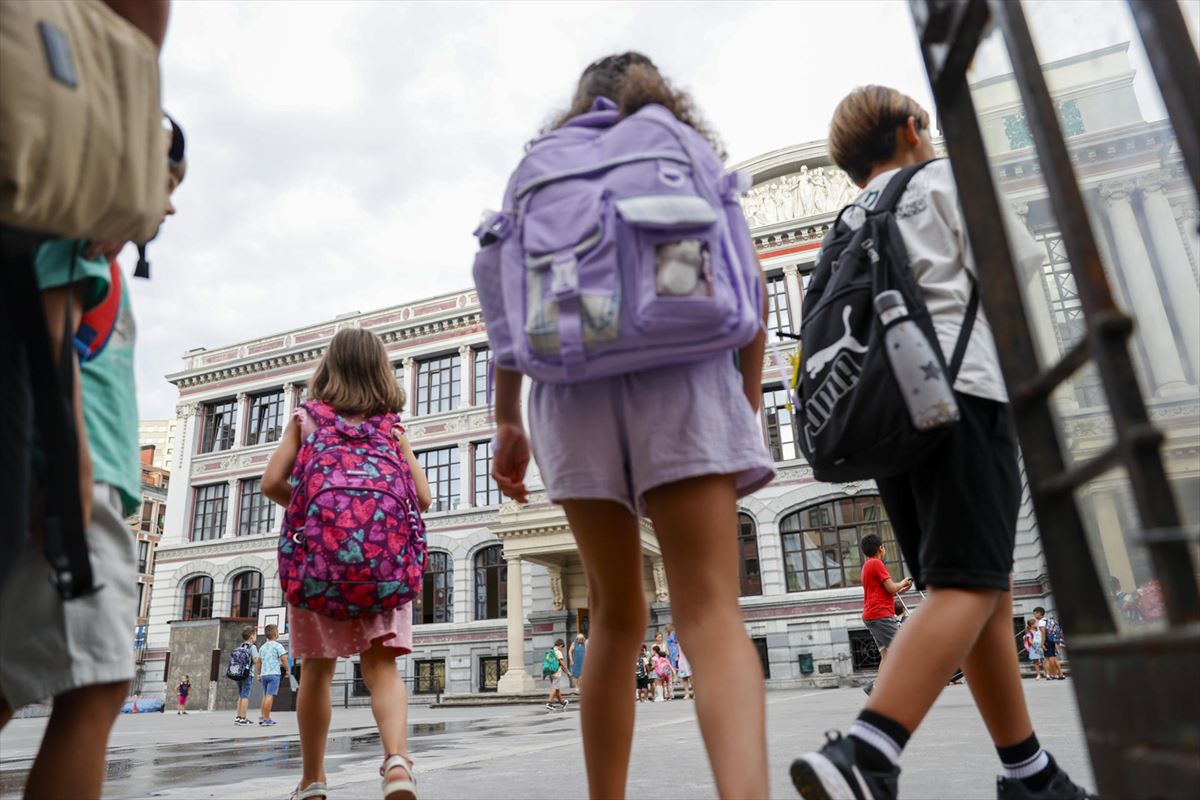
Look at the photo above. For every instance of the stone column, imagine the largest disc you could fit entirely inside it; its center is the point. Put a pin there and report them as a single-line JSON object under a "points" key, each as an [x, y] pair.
{"points": [[1166, 371], [467, 376], [517, 679], [1112, 538], [1037, 306], [1183, 294], [289, 402], [185, 432], [466, 476], [231, 512], [791, 280], [1187, 217], [242, 420], [410, 384]]}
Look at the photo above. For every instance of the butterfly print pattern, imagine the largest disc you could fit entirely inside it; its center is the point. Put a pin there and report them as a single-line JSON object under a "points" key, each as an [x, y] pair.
{"points": [[353, 541]]}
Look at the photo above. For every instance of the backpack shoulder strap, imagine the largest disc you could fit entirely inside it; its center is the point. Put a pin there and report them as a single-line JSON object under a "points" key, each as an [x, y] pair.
{"points": [[320, 413], [964, 334], [896, 186]]}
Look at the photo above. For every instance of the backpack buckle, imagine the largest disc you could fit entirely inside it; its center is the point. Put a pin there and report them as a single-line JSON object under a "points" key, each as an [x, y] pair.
{"points": [[564, 281]]}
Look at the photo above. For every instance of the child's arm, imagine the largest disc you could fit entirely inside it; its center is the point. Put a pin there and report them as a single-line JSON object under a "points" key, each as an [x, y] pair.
{"points": [[750, 357], [511, 458], [424, 495], [276, 481]]}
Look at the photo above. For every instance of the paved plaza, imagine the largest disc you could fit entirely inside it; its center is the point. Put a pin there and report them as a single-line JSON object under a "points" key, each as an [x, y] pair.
{"points": [[524, 751]]}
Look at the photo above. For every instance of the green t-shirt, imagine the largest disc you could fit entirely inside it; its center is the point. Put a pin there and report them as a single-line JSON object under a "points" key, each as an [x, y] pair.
{"points": [[107, 381]]}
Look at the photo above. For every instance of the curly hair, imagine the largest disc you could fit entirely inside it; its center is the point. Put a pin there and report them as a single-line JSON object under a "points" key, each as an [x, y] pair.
{"points": [[631, 81]]}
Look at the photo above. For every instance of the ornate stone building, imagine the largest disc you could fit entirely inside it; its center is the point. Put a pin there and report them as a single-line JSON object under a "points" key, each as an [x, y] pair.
{"points": [[506, 579]]}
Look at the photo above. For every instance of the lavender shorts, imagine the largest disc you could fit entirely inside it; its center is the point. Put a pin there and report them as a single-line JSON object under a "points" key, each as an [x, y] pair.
{"points": [[617, 438]]}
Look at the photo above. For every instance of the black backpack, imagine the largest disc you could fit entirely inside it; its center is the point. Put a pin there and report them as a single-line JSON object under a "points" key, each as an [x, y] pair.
{"points": [[853, 422]]}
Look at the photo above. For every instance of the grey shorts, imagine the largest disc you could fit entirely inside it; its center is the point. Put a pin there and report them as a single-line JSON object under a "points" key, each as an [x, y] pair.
{"points": [[48, 647], [883, 630], [616, 438]]}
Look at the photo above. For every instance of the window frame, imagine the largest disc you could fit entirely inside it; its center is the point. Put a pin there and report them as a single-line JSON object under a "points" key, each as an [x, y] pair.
{"points": [[487, 568], [250, 512], [779, 307], [796, 538], [775, 416], [748, 585], [198, 603], [481, 360], [485, 491], [206, 509], [439, 375], [275, 400], [143, 556], [434, 682], [442, 477], [425, 606], [215, 429], [237, 593]]}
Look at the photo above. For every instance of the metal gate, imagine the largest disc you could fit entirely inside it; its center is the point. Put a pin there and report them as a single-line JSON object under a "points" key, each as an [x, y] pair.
{"points": [[1135, 687]]}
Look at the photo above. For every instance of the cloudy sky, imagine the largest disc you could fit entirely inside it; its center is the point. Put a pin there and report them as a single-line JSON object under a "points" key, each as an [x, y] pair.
{"points": [[340, 153]]}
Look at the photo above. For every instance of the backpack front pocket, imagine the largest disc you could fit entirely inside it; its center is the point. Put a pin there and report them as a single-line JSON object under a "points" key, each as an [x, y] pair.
{"points": [[572, 289], [678, 261]]}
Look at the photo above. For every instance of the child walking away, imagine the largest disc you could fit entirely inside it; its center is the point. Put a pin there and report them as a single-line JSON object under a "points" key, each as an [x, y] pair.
{"points": [[352, 550], [641, 672], [243, 664], [181, 691], [622, 277], [954, 512], [880, 593], [1033, 647], [1052, 639], [554, 669], [273, 666]]}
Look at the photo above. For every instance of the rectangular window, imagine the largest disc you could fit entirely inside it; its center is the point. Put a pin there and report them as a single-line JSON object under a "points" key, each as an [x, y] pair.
{"points": [[780, 425], [482, 362], [430, 676], [143, 556], [217, 428], [487, 493], [266, 418], [442, 470], [438, 382], [491, 669], [779, 317], [208, 513], [257, 511], [141, 612], [147, 515]]}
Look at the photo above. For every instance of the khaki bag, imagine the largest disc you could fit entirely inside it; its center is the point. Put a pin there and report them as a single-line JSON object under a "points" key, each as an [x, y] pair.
{"points": [[82, 161]]}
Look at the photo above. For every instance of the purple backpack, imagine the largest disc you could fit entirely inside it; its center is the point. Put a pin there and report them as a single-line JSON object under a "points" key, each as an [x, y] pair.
{"points": [[353, 541], [621, 247]]}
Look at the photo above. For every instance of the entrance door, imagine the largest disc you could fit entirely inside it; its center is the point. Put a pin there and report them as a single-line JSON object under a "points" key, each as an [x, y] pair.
{"points": [[490, 670], [581, 621]]}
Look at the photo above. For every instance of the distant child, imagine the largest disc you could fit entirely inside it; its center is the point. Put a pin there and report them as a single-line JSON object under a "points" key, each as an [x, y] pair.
{"points": [[558, 677], [607, 453], [353, 385], [642, 672], [954, 514], [685, 675], [273, 667], [663, 673], [576, 658], [880, 594], [246, 682], [1051, 641], [181, 692], [1033, 647]]}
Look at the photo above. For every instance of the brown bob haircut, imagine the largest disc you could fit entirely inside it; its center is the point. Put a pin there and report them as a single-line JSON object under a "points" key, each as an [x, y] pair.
{"points": [[355, 376], [863, 131], [631, 81]]}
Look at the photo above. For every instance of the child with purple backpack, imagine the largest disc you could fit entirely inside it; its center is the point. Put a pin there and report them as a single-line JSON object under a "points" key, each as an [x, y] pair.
{"points": [[622, 278], [352, 550]]}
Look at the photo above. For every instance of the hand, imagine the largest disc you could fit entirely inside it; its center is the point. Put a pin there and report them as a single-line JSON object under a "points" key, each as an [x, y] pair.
{"points": [[906, 584], [104, 247], [511, 460]]}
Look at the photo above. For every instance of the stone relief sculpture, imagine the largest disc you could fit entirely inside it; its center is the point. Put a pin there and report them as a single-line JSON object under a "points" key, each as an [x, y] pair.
{"points": [[556, 590], [805, 193], [660, 583]]}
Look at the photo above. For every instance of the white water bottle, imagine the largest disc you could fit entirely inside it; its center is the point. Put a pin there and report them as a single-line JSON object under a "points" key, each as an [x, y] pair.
{"points": [[918, 370]]}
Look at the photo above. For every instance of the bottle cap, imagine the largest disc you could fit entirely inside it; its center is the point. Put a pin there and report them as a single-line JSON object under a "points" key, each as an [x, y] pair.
{"points": [[889, 299]]}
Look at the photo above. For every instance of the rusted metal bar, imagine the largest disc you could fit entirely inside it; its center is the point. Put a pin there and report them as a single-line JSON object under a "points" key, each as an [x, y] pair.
{"points": [[1164, 33], [952, 28], [1040, 388], [1151, 490], [1080, 474], [1084, 608]]}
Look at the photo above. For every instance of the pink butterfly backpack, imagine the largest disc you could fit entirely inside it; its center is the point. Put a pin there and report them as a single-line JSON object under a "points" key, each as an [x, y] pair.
{"points": [[353, 541]]}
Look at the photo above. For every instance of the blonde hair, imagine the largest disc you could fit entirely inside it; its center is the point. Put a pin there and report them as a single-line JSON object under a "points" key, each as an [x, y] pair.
{"points": [[271, 631], [355, 376], [248, 632], [863, 130]]}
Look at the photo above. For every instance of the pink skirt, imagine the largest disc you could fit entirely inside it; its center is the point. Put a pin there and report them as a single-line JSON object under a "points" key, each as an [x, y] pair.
{"points": [[312, 635]]}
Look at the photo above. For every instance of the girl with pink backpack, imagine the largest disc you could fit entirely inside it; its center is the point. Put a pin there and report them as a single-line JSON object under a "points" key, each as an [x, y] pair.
{"points": [[635, 304], [352, 549]]}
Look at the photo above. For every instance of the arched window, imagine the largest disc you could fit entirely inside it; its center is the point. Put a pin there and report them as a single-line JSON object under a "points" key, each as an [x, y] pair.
{"points": [[247, 594], [821, 543], [197, 598], [748, 570], [491, 583], [435, 603]]}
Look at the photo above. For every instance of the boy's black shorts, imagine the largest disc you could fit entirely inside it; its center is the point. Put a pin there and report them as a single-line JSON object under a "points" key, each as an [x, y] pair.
{"points": [[955, 515]]}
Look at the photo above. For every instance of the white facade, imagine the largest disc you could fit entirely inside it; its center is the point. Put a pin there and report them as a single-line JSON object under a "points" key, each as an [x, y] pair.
{"points": [[805, 630]]}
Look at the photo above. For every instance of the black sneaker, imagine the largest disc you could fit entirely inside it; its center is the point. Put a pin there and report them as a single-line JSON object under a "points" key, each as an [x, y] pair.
{"points": [[1060, 787], [565, 703], [833, 773]]}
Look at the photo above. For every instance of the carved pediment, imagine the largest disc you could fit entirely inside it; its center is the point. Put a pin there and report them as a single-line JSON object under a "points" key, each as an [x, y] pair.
{"points": [[807, 193]]}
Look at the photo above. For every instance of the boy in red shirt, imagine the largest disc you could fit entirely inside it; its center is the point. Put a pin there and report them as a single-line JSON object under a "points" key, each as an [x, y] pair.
{"points": [[879, 590]]}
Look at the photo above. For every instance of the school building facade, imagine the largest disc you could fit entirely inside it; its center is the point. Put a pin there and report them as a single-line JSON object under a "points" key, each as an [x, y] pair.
{"points": [[506, 579]]}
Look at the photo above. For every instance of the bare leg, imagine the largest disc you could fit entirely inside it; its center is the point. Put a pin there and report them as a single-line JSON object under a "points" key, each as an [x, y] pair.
{"points": [[694, 521], [243, 707], [610, 544], [389, 702], [313, 710], [264, 711], [71, 761], [927, 651], [994, 677]]}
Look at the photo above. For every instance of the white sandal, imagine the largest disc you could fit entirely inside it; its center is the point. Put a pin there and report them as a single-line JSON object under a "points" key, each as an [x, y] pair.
{"points": [[403, 788], [314, 789]]}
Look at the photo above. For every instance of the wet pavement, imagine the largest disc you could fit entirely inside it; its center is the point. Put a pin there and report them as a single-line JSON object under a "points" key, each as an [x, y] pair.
{"points": [[519, 751]]}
